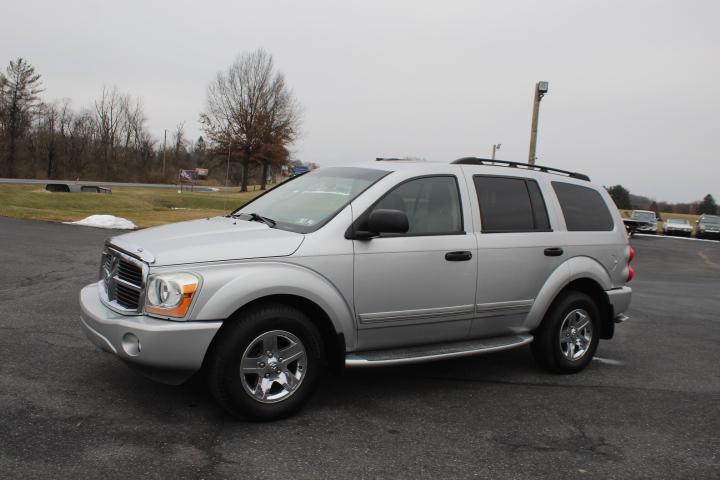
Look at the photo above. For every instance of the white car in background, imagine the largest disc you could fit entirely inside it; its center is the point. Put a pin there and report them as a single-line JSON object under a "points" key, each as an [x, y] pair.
{"points": [[678, 226]]}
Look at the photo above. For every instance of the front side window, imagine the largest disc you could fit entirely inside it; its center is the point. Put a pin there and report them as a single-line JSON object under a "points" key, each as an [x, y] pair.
{"points": [[432, 205], [510, 204], [307, 202], [584, 208]]}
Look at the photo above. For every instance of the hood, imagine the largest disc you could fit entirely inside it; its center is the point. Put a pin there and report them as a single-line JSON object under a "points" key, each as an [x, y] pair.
{"points": [[208, 240]]}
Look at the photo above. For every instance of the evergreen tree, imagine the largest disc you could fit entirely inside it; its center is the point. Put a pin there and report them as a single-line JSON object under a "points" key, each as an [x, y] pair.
{"points": [[621, 197], [708, 206], [20, 87]]}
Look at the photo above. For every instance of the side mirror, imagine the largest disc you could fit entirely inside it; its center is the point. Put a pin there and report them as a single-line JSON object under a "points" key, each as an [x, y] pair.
{"points": [[388, 221], [384, 221]]}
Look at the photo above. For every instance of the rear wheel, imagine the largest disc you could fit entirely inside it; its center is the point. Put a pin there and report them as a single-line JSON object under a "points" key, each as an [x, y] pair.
{"points": [[266, 363], [567, 339]]}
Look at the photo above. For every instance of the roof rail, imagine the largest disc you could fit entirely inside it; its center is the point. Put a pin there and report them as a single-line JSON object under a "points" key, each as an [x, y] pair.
{"points": [[506, 163], [405, 159]]}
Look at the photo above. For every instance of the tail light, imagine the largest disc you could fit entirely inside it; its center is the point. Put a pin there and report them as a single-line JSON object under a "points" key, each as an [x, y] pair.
{"points": [[631, 270]]}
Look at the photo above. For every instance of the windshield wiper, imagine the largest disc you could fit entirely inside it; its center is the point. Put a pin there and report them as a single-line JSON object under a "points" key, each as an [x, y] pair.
{"points": [[254, 217]]}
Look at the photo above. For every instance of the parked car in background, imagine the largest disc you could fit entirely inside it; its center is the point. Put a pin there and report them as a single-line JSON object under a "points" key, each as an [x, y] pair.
{"points": [[76, 188], [678, 226], [299, 170], [708, 226], [650, 219]]}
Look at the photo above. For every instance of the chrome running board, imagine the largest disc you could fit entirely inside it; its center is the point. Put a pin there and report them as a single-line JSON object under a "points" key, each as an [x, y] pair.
{"points": [[429, 353]]}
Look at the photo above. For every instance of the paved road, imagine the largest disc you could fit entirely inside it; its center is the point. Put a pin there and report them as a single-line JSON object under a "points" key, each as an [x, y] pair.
{"points": [[649, 409]]}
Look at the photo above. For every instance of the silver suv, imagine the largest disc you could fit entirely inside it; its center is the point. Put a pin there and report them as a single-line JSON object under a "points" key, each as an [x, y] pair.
{"points": [[368, 265]]}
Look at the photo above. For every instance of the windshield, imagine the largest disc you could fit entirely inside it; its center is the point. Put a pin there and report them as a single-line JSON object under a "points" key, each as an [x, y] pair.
{"points": [[644, 216], [679, 221], [305, 203], [710, 221]]}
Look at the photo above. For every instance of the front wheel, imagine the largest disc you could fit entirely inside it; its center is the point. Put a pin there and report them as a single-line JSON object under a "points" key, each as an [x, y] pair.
{"points": [[266, 363], [567, 339]]}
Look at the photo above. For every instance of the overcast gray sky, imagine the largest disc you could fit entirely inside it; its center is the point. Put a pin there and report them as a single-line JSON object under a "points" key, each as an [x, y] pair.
{"points": [[634, 85]]}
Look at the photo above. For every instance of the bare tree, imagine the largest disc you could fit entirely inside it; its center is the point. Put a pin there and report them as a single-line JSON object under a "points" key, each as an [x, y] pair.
{"points": [[107, 118], [20, 88], [248, 108], [50, 119], [81, 136], [179, 141]]}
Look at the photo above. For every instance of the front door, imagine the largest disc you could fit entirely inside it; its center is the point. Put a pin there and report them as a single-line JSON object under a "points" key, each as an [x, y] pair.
{"points": [[417, 287]]}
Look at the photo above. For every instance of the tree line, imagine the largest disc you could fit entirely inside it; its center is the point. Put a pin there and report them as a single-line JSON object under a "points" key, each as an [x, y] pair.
{"points": [[250, 120], [627, 201]]}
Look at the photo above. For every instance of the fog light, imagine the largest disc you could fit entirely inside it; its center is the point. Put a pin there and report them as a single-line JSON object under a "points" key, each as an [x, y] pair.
{"points": [[131, 344]]}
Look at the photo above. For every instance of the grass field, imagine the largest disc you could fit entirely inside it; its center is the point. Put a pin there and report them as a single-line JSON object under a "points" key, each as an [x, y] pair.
{"points": [[145, 207]]}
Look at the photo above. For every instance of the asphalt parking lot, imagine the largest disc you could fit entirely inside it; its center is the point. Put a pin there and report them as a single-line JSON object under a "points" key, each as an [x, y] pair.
{"points": [[648, 407]]}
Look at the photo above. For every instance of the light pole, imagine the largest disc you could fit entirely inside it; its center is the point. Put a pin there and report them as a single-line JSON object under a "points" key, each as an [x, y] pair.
{"points": [[541, 88], [164, 142], [496, 147]]}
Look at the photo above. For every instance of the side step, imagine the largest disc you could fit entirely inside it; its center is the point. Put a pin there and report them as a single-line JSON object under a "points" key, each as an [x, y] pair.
{"points": [[429, 353]]}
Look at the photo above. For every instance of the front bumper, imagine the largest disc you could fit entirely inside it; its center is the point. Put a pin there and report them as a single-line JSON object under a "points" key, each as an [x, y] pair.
{"points": [[155, 346], [678, 231], [708, 234]]}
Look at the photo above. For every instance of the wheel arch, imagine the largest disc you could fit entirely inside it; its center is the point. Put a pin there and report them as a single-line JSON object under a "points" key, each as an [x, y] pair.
{"points": [[333, 341], [229, 289], [582, 274]]}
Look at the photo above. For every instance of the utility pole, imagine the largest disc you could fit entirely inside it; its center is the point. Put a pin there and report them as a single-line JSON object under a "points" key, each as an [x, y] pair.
{"points": [[541, 88], [227, 170], [164, 142], [496, 147]]}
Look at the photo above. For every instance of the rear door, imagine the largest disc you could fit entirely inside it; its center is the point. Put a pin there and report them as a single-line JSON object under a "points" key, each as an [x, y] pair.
{"points": [[517, 251]]}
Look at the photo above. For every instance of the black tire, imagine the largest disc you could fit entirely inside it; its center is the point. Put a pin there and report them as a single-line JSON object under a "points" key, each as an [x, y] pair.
{"points": [[546, 346], [225, 380]]}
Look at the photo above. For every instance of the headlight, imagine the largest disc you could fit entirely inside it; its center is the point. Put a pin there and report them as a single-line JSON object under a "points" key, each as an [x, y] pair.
{"points": [[171, 294]]}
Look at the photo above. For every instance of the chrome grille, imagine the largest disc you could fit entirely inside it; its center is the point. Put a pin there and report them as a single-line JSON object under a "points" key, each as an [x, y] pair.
{"points": [[123, 279]]}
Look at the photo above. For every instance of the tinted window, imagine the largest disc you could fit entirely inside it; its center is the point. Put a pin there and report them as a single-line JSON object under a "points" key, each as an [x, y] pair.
{"points": [[432, 205], [509, 204], [584, 208]]}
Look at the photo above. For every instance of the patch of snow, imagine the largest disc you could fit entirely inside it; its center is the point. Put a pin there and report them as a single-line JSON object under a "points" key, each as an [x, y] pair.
{"points": [[105, 221]]}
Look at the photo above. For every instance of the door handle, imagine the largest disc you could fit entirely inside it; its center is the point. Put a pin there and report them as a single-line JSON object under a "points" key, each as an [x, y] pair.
{"points": [[553, 252], [458, 256]]}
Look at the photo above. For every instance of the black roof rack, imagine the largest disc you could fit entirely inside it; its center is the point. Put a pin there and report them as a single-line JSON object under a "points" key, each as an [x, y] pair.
{"points": [[506, 163], [392, 159]]}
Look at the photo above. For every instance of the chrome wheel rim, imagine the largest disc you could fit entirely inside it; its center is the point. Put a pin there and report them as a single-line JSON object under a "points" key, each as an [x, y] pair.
{"points": [[273, 366], [576, 333]]}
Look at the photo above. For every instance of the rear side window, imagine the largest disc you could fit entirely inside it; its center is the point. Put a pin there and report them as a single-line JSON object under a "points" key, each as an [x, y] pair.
{"points": [[584, 208], [510, 204]]}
